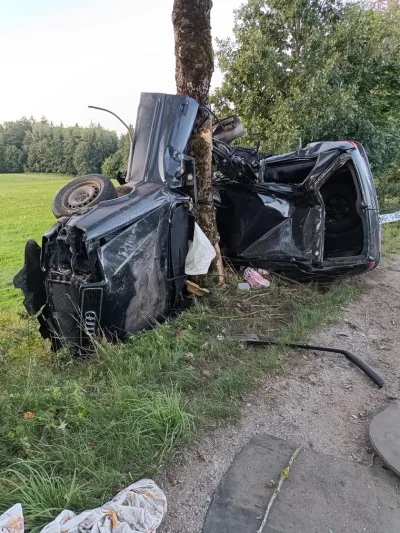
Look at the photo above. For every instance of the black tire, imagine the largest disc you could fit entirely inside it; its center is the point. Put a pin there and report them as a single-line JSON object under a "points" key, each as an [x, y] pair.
{"points": [[82, 193], [340, 208]]}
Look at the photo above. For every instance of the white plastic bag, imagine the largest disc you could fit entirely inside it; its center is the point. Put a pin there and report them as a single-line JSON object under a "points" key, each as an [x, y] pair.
{"points": [[12, 521], [201, 253], [136, 509]]}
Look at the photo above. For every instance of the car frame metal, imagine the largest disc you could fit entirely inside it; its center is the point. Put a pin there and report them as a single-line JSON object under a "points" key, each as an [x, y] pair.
{"points": [[118, 266]]}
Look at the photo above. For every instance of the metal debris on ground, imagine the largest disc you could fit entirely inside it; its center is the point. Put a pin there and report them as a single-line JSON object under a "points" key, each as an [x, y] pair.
{"points": [[254, 340], [384, 433]]}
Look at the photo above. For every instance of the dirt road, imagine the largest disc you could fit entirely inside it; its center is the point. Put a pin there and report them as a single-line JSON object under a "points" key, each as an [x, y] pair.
{"points": [[321, 402]]}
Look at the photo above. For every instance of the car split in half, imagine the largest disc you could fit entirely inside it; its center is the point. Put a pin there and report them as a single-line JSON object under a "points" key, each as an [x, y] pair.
{"points": [[114, 261]]}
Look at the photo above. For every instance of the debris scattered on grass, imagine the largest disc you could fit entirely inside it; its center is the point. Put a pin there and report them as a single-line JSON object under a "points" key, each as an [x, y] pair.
{"points": [[253, 340], [254, 277], [142, 506], [196, 289], [201, 253]]}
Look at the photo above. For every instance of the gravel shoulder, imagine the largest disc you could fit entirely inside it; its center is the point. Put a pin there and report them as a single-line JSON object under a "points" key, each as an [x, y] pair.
{"points": [[321, 402]]}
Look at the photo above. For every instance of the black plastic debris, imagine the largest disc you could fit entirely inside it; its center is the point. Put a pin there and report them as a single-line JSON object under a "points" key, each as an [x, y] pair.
{"points": [[253, 340]]}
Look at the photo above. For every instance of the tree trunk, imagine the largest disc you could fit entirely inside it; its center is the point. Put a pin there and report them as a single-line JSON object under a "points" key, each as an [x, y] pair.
{"points": [[194, 68]]}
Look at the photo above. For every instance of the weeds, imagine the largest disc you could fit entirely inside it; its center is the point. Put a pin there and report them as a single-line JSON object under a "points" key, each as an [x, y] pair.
{"points": [[390, 239], [72, 433], [25, 213]]}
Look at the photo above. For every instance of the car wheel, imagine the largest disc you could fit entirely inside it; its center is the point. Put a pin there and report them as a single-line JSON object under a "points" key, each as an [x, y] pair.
{"points": [[82, 193], [340, 209]]}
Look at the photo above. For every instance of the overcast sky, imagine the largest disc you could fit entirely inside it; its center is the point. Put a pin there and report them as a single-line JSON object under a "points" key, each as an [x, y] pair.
{"points": [[58, 56]]}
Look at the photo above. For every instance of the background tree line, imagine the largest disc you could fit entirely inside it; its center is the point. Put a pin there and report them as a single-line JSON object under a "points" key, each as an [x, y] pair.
{"points": [[295, 69], [317, 70], [39, 146]]}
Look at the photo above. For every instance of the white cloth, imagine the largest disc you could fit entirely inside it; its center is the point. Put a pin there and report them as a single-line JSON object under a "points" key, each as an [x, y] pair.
{"points": [[201, 253], [139, 508], [12, 521]]}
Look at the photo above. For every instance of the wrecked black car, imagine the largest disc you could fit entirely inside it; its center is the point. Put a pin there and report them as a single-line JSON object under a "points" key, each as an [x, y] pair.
{"points": [[114, 262], [310, 214]]}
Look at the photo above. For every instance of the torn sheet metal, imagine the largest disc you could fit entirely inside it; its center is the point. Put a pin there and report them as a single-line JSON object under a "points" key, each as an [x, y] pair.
{"points": [[163, 126], [120, 266], [139, 508], [111, 275], [311, 214]]}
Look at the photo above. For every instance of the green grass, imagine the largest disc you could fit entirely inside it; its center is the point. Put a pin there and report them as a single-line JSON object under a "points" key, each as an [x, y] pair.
{"points": [[390, 239], [98, 424], [25, 201], [122, 415]]}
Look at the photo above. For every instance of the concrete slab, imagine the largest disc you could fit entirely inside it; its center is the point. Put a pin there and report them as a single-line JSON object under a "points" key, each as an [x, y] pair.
{"points": [[243, 494], [322, 494], [384, 432]]}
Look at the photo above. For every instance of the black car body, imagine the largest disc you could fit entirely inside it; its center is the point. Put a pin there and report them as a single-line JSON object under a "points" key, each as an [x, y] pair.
{"points": [[119, 266], [310, 214]]}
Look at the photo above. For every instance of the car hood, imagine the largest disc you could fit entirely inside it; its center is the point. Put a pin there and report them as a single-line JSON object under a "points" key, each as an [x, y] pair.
{"points": [[112, 215]]}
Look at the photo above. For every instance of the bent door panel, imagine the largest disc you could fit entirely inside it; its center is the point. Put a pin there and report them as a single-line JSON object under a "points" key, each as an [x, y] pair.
{"points": [[258, 226]]}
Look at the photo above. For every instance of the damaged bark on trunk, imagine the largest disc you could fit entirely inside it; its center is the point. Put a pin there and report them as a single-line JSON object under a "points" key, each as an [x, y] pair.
{"points": [[194, 68]]}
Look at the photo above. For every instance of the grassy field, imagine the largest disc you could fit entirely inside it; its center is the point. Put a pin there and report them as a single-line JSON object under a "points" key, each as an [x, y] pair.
{"points": [[25, 212], [72, 433]]}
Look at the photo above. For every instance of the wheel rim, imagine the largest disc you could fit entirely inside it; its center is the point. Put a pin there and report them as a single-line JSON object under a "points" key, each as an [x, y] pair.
{"points": [[83, 195], [338, 208]]}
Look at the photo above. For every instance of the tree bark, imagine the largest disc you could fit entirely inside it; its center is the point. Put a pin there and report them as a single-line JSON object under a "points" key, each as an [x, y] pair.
{"points": [[194, 67]]}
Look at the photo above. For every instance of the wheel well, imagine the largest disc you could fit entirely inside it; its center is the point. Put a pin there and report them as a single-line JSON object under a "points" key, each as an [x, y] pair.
{"points": [[344, 232]]}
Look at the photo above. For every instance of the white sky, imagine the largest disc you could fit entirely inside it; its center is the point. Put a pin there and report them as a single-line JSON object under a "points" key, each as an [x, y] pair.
{"points": [[58, 56]]}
